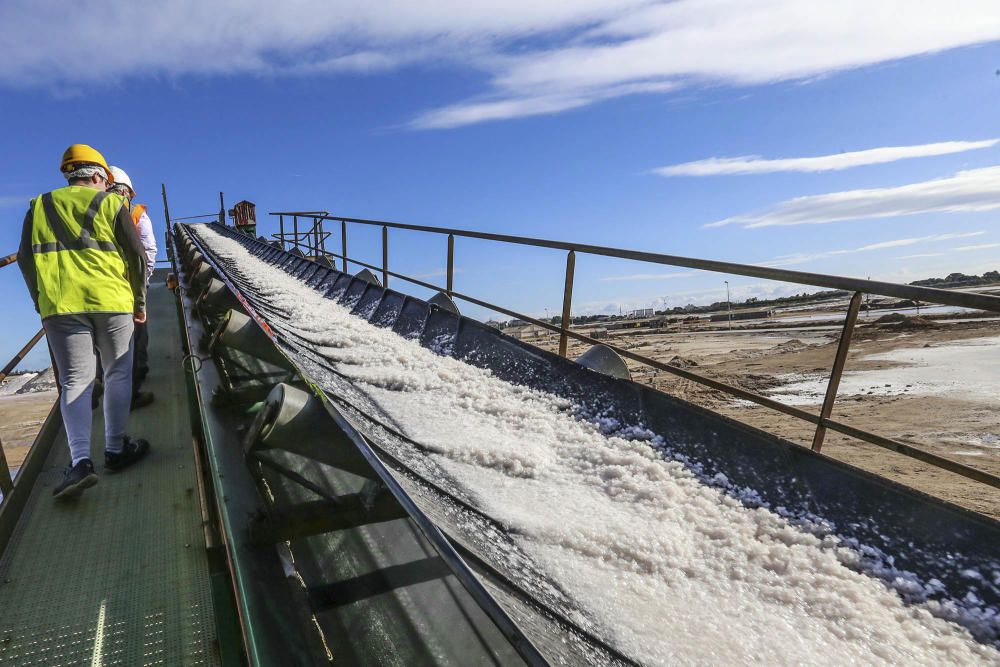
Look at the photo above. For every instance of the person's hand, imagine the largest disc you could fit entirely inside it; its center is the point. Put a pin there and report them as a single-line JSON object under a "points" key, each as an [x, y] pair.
{"points": [[139, 317]]}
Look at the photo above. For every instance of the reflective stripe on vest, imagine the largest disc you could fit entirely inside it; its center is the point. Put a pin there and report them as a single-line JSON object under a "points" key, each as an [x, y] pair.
{"points": [[79, 266], [137, 212], [64, 240]]}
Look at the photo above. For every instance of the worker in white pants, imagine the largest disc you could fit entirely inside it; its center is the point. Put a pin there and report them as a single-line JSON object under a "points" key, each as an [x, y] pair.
{"points": [[84, 268]]}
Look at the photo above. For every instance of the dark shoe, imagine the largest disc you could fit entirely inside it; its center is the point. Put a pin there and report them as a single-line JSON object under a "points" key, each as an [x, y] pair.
{"points": [[132, 451], [76, 479], [141, 399]]}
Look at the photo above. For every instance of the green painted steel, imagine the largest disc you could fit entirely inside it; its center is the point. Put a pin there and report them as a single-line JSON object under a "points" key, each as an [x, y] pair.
{"points": [[120, 576]]}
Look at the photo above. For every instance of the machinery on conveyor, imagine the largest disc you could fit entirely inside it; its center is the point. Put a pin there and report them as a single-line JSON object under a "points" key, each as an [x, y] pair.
{"points": [[330, 536]]}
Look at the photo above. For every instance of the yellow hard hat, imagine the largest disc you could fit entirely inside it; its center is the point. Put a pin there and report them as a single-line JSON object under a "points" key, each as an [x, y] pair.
{"points": [[81, 154]]}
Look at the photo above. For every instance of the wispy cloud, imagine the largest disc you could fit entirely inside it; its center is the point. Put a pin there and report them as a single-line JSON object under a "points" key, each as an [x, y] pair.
{"points": [[981, 246], [966, 191], [923, 255], [538, 57], [801, 258], [696, 42], [753, 164], [647, 276]]}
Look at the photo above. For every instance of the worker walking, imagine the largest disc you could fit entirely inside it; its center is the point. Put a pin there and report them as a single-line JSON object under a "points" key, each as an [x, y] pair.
{"points": [[85, 269], [144, 228]]}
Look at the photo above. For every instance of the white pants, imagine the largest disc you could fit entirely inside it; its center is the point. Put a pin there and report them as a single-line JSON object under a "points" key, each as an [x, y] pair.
{"points": [[73, 340]]}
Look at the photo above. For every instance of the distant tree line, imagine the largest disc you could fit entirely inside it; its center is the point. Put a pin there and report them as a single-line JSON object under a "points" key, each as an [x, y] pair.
{"points": [[960, 280]]}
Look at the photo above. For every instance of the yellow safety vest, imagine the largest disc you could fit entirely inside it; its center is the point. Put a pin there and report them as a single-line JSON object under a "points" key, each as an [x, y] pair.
{"points": [[80, 267]]}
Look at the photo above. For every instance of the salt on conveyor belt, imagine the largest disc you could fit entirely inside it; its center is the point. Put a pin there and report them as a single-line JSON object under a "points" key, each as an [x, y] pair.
{"points": [[675, 570]]}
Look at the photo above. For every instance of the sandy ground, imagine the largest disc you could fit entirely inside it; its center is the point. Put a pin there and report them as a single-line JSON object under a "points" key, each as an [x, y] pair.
{"points": [[935, 388], [20, 418]]}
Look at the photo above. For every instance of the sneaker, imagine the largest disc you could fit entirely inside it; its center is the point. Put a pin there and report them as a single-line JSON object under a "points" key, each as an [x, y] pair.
{"points": [[76, 479], [132, 451], [141, 399]]}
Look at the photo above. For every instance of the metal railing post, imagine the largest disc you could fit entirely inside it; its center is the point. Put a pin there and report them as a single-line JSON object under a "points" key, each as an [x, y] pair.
{"points": [[222, 210], [12, 364], [567, 302], [166, 209], [385, 256], [295, 232], [451, 264], [837, 371], [343, 243]]}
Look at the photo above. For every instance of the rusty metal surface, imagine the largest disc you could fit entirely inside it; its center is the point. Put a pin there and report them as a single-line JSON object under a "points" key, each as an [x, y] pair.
{"points": [[567, 305], [838, 369]]}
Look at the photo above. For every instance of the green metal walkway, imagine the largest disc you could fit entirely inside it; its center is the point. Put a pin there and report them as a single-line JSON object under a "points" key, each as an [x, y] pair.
{"points": [[119, 576]]}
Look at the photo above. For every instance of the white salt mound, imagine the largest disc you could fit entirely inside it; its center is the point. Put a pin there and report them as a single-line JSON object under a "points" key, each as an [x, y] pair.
{"points": [[44, 381], [676, 572], [14, 383]]}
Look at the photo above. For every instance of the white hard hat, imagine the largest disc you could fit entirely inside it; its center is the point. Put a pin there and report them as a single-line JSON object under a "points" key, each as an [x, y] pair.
{"points": [[122, 178]]}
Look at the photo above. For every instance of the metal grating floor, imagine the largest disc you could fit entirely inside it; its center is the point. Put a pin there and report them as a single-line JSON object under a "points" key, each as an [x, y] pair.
{"points": [[119, 576]]}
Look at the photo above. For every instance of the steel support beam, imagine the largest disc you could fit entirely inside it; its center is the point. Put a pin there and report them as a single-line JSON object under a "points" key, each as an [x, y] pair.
{"points": [[838, 370]]}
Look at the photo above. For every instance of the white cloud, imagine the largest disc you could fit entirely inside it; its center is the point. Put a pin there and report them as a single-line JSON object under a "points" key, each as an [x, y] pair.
{"points": [[981, 246], [757, 165], [923, 255], [540, 57], [468, 113], [691, 42], [801, 258], [966, 191], [648, 276]]}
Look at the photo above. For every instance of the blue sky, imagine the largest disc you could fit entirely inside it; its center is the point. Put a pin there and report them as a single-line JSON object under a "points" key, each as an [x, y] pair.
{"points": [[539, 119]]}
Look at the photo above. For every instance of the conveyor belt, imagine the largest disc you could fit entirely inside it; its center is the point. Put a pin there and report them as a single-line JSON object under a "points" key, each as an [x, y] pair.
{"points": [[922, 536]]}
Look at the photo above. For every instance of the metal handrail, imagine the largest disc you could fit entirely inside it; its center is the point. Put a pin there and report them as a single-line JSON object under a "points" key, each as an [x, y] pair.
{"points": [[823, 421], [915, 292]]}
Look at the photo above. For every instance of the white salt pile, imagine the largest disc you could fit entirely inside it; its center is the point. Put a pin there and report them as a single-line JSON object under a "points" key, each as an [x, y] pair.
{"points": [[676, 572], [14, 383]]}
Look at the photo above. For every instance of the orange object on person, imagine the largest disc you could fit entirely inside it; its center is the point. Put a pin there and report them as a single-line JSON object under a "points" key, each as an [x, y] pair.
{"points": [[137, 212]]}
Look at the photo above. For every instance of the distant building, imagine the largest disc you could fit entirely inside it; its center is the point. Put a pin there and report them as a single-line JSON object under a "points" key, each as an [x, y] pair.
{"points": [[742, 315], [641, 312]]}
